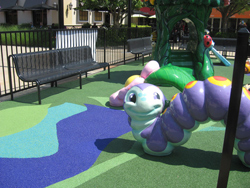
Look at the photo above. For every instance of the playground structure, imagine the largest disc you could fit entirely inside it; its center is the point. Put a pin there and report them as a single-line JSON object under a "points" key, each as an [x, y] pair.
{"points": [[179, 67], [193, 63]]}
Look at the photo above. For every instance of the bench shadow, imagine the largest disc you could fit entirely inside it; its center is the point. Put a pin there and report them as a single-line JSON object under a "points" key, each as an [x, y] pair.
{"points": [[64, 85], [32, 97], [189, 157]]}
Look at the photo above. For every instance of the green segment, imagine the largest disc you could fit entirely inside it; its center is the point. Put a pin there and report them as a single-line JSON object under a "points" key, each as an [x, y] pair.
{"points": [[195, 61], [17, 119], [171, 76]]}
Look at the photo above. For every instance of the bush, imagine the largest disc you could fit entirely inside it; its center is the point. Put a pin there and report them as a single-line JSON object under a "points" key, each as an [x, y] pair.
{"points": [[106, 25], [86, 25], [223, 34], [141, 26]]}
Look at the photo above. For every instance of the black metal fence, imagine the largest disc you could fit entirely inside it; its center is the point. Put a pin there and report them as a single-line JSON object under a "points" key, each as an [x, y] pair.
{"points": [[110, 46]]}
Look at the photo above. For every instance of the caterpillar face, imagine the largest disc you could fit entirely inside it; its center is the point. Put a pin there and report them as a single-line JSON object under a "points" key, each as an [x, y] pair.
{"points": [[144, 101]]}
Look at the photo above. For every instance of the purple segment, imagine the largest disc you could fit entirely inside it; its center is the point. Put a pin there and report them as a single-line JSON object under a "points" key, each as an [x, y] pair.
{"points": [[195, 101], [217, 100], [171, 129], [247, 158], [143, 86], [244, 109], [180, 113], [81, 137], [157, 141], [147, 131], [243, 131], [244, 145]]}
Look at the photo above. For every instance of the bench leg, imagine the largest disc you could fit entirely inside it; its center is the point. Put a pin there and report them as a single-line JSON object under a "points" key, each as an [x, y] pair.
{"points": [[108, 72], [142, 59], [10, 80], [38, 91], [80, 80], [52, 84], [86, 74]]}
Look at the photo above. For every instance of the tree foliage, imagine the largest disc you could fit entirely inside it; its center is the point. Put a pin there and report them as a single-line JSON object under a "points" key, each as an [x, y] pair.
{"points": [[118, 8], [236, 6]]}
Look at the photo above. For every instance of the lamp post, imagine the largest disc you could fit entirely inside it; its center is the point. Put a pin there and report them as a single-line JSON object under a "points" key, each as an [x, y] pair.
{"points": [[70, 6], [129, 18]]}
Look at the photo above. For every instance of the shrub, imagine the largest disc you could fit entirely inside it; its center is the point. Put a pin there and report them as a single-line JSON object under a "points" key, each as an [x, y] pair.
{"points": [[86, 25]]}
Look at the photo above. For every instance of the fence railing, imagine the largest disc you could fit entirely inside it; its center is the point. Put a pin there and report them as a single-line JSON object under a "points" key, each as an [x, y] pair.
{"points": [[110, 45]]}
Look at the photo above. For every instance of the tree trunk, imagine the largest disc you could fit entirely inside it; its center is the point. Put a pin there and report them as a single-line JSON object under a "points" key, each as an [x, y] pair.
{"points": [[224, 23], [115, 20]]}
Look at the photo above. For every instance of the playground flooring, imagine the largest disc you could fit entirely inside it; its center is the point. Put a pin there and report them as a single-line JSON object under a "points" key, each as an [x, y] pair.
{"points": [[76, 139]]}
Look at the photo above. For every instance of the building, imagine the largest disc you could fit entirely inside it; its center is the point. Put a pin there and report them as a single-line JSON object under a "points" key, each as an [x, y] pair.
{"points": [[233, 23], [214, 22], [45, 12], [28, 11]]}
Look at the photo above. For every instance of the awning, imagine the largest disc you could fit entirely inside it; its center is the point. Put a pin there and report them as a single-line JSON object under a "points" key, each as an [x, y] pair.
{"points": [[138, 16], [154, 16], [140, 12], [37, 5], [147, 10]]}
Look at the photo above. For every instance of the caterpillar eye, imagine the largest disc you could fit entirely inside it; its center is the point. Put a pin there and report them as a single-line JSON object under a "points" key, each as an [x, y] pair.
{"points": [[132, 98], [156, 95]]}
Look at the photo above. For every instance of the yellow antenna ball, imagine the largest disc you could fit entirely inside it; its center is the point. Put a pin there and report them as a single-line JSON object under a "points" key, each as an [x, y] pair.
{"points": [[130, 79], [152, 2]]}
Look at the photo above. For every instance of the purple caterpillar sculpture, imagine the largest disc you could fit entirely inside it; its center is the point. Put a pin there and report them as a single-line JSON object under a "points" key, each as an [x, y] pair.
{"points": [[200, 101]]}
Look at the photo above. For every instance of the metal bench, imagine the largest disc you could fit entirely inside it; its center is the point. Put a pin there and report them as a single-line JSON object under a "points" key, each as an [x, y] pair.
{"points": [[140, 46], [53, 65], [224, 45]]}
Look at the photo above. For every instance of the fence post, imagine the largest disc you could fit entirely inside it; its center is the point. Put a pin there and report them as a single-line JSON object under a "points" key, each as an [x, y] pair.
{"points": [[234, 105], [124, 51], [50, 39], [104, 50]]}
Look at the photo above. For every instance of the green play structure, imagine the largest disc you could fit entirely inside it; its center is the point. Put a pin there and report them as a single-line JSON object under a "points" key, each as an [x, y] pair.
{"points": [[178, 67]]}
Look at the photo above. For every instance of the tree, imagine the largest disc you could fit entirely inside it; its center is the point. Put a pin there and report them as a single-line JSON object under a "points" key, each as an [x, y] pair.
{"points": [[118, 8], [236, 6]]}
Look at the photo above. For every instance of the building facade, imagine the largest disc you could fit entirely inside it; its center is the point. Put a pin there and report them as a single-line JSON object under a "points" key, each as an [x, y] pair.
{"points": [[45, 12]]}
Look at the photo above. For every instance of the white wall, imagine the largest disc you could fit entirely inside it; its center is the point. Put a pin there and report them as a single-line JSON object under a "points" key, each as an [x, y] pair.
{"points": [[24, 17], [2, 17]]}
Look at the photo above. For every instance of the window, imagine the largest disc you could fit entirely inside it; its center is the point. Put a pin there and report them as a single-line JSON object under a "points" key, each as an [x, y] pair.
{"points": [[98, 16], [11, 17], [83, 15], [39, 16]]}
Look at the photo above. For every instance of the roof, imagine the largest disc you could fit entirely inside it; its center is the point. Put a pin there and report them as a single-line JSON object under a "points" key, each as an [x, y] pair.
{"points": [[7, 4], [37, 5], [32, 3]]}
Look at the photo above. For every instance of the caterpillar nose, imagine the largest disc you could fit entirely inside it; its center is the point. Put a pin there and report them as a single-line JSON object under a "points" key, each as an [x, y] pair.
{"points": [[142, 96]]}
